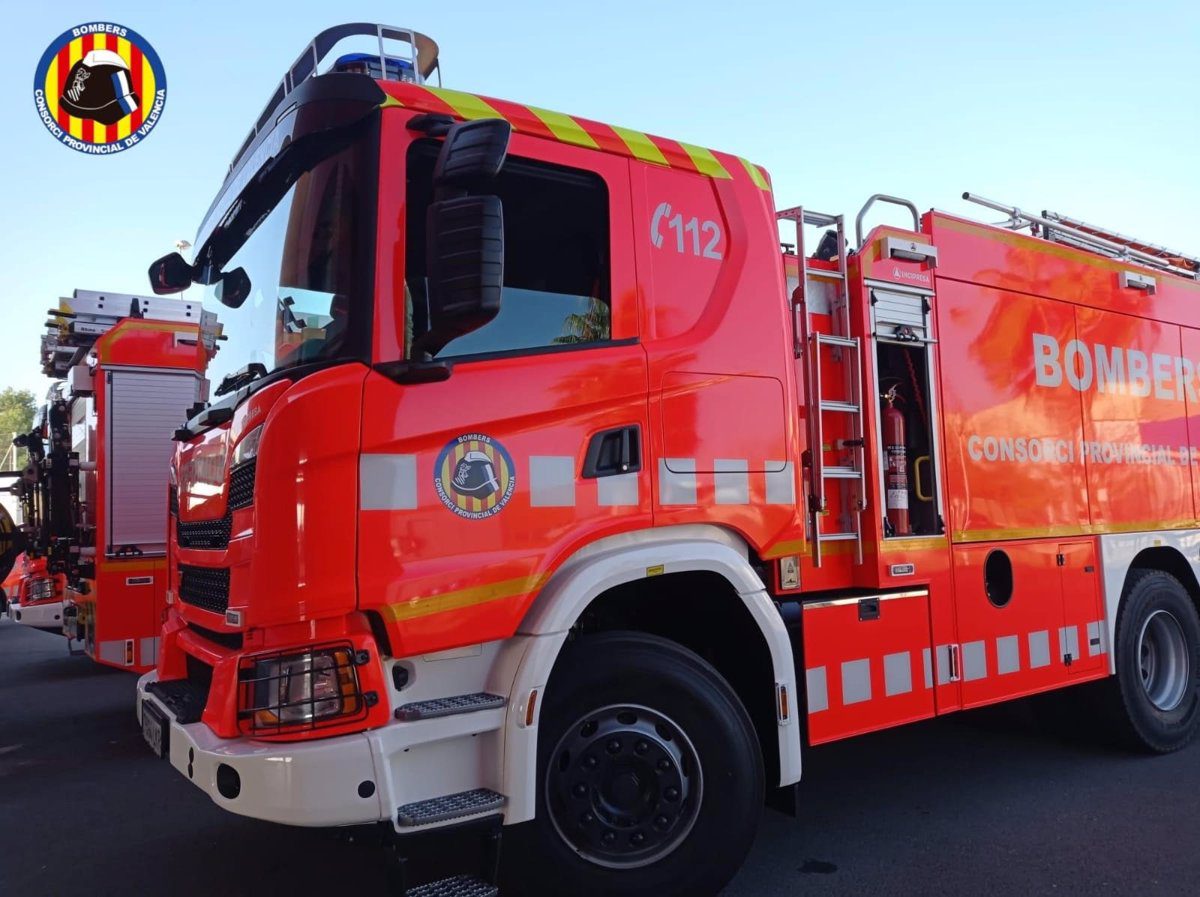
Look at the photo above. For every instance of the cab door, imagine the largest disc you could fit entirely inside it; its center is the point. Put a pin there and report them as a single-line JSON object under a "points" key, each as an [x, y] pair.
{"points": [[474, 488]]}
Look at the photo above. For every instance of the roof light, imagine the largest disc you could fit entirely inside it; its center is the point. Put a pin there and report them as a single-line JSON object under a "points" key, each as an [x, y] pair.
{"points": [[368, 64]]}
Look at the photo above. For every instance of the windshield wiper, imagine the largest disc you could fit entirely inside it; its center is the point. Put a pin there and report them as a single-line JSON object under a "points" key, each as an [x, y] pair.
{"points": [[243, 375]]}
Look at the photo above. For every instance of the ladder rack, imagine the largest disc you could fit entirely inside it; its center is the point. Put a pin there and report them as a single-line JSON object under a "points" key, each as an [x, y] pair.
{"points": [[846, 351], [1090, 238], [84, 317]]}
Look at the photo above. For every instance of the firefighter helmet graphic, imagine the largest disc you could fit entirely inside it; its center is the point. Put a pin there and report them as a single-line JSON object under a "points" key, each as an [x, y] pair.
{"points": [[99, 88], [474, 476]]}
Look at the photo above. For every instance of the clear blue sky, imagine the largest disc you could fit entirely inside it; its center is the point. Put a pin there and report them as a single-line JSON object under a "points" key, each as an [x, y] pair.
{"points": [[1087, 108]]}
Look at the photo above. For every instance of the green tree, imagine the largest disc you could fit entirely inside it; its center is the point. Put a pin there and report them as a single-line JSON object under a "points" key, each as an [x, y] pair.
{"points": [[587, 327], [17, 409]]}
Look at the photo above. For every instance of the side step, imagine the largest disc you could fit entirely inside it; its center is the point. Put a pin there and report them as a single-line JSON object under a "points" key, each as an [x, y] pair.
{"points": [[448, 706], [455, 886], [451, 806]]}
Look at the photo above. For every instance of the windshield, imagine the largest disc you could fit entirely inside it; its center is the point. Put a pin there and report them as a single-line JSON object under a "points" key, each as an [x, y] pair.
{"points": [[307, 274]]}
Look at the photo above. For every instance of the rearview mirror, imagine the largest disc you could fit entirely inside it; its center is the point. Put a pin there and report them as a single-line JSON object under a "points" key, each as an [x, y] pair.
{"points": [[233, 288], [473, 151], [464, 267], [170, 274]]}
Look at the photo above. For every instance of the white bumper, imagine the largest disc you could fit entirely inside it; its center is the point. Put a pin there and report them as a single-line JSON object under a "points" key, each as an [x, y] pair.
{"points": [[47, 615], [345, 780]]}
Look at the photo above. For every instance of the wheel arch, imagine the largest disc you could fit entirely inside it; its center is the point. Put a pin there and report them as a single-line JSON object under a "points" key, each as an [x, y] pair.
{"points": [[641, 581], [1124, 555]]}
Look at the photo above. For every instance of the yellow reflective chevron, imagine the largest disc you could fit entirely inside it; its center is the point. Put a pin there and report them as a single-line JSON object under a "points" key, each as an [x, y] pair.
{"points": [[564, 128], [465, 105], [755, 174], [705, 161], [641, 146]]}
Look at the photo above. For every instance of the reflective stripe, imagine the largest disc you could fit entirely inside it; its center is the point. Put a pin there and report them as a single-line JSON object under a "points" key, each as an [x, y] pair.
{"points": [[640, 145], [387, 482], [618, 491], [1095, 632], [112, 651], [148, 651], [1039, 649], [423, 605], [551, 481], [677, 481], [732, 479], [856, 681], [1008, 654], [564, 128], [755, 175], [974, 657], [465, 105], [781, 484], [705, 161], [818, 689], [1068, 642], [897, 673]]}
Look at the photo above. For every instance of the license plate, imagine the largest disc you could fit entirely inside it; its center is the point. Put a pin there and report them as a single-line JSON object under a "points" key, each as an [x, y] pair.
{"points": [[154, 729]]}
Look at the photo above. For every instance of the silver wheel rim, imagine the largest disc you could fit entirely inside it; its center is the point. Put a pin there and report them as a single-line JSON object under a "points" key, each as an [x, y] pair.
{"points": [[639, 744], [1163, 661]]}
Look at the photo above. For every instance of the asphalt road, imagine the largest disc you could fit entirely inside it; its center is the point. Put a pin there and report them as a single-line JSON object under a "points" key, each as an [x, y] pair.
{"points": [[989, 803]]}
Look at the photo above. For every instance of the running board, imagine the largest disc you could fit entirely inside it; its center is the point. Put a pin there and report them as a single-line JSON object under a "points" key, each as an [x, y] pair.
{"points": [[438, 707], [451, 806], [455, 886]]}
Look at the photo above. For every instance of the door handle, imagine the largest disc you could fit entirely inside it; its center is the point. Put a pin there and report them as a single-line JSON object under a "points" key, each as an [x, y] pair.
{"points": [[613, 452]]}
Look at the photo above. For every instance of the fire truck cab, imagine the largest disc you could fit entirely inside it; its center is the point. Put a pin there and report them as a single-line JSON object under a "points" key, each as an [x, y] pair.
{"points": [[541, 487]]}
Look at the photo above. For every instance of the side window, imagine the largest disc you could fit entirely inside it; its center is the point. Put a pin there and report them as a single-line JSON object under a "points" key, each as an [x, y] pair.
{"points": [[556, 264]]}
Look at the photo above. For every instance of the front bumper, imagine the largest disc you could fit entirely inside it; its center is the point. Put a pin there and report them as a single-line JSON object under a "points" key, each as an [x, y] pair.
{"points": [[47, 615], [313, 783], [343, 780]]}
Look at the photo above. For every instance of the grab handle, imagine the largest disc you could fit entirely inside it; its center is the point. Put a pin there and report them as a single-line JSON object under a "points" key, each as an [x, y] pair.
{"points": [[894, 200]]}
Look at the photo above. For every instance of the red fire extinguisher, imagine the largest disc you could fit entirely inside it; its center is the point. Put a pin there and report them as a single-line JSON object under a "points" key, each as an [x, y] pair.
{"points": [[896, 473]]}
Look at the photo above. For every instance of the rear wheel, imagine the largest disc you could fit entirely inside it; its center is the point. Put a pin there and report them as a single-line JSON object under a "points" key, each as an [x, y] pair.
{"points": [[1158, 662], [650, 778]]}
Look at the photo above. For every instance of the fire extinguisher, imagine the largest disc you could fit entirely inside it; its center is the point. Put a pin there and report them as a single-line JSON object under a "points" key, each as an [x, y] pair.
{"points": [[896, 473]]}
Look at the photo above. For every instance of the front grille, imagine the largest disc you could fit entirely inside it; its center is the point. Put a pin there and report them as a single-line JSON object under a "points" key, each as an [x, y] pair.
{"points": [[205, 587], [204, 533], [231, 640], [241, 485]]}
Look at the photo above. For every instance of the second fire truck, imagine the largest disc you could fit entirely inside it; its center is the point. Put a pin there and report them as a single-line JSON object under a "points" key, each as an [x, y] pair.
{"points": [[545, 491], [94, 491]]}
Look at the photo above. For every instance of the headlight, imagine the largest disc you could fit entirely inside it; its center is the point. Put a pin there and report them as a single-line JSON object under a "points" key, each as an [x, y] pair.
{"points": [[300, 689], [248, 447], [41, 589]]}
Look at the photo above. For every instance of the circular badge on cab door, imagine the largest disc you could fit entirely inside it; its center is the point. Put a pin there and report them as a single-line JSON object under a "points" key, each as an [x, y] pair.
{"points": [[474, 476]]}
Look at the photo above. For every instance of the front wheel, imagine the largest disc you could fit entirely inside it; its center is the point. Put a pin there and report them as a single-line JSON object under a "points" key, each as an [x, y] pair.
{"points": [[1158, 662], [650, 777]]}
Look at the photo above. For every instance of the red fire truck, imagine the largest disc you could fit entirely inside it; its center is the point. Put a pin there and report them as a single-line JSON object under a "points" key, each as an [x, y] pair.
{"points": [[95, 489], [543, 488]]}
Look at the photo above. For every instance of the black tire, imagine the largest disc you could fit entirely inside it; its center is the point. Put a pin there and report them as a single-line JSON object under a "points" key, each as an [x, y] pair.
{"points": [[1150, 596], [614, 700]]}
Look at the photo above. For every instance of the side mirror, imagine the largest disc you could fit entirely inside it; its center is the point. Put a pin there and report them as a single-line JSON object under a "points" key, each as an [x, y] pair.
{"points": [[233, 288], [464, 267], [170, 274], [473, 151]]}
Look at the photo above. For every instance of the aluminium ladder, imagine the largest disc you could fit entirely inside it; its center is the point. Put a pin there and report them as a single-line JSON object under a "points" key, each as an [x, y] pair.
{"points": [[846, 351]]}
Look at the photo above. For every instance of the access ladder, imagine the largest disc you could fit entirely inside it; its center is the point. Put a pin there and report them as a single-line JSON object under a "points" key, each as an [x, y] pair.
{"points": [[846, 352]]}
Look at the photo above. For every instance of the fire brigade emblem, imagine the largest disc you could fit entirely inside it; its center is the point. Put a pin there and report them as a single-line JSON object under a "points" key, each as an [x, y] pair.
{"points": [[99, 88], [474, 476]]}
